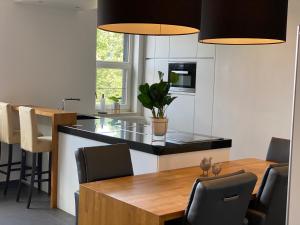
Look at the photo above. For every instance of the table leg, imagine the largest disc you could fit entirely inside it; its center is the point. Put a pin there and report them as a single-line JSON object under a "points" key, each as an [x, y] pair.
{"points": [[54, 164]]}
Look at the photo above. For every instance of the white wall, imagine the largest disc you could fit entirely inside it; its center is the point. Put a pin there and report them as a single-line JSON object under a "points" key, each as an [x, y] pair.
{"points": [[47, 54], [254, 92]]}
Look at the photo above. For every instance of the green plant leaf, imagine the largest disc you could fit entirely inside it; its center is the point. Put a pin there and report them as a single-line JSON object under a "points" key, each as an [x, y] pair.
{"points": [[146, 101], [169, 99], [144, 88], [156, 97], [115, 99]]}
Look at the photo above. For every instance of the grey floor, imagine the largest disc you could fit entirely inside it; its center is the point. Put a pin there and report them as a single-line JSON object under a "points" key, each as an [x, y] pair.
{"points": [[13, 213]]}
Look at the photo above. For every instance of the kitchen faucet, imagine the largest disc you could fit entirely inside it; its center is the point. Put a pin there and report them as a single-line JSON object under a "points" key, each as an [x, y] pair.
{"points": [[63, 102]]}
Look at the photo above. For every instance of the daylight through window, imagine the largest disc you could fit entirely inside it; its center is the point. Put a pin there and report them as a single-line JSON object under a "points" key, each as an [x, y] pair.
{"points": [[113, 66]]}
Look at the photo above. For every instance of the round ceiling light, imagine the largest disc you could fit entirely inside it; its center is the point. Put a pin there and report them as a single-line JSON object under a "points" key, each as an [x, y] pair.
{"points": [[243, 22], [150, 17]]}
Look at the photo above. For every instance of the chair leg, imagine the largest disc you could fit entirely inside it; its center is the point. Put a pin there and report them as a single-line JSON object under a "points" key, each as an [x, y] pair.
{"points": [[22, 173], [32, 179], [40, 166], [49, 169], [10, 151]]}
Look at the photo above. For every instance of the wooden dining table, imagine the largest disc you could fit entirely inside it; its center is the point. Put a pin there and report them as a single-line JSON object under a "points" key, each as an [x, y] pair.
{"points": [[149, 199], [58, 117]]}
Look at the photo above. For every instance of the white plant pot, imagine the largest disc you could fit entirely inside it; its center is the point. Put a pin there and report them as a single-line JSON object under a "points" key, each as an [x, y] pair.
{"points": [[159, 126]]}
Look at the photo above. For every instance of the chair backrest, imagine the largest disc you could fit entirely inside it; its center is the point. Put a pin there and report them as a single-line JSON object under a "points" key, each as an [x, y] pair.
{"points": [[28, 128], [222, 200], [272, 195], [279, 150], [103, 162], [6, 122]]}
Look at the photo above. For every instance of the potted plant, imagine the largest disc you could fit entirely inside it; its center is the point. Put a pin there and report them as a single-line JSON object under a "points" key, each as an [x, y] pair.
{"points": [[116, 103], [157, 98]]}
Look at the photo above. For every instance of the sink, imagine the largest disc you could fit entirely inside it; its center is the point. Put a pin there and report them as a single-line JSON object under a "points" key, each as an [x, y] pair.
{"points": [[86, 117]]}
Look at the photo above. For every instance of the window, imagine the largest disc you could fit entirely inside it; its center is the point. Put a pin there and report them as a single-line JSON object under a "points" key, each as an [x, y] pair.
{"points": [[114, 65]]}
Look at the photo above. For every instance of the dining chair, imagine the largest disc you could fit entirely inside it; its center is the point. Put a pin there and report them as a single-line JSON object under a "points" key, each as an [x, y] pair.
{"points": [[9, 135], [219, 200], [32, 142], [269, 206], [279, 150], [102, 163]]}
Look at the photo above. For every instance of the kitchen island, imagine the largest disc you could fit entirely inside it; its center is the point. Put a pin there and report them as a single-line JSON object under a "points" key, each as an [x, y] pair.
{"points": [[149, 154]]}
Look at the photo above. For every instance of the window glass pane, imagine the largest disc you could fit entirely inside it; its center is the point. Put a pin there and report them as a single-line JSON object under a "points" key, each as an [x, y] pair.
{"points": [[112, 47], [111, 82]]}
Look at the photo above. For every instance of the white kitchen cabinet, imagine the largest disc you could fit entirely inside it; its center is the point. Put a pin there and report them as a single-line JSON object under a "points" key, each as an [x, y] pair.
{"points": [[204, 97], [150, 47], [149, 70], [184, 46], [162, 47], [181, 113], [206, 51]]}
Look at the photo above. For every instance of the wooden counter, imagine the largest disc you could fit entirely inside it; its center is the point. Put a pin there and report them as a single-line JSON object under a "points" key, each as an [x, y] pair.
{"points": [[58, 117], [149, 199]]}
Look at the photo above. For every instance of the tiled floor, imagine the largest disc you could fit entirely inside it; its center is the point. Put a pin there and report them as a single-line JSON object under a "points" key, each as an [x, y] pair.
{"points": [[13, 213]]}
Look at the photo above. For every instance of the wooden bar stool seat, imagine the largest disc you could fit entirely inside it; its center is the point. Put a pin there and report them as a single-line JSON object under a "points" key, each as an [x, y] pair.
{"points": [[32, 142], [10, 135]]}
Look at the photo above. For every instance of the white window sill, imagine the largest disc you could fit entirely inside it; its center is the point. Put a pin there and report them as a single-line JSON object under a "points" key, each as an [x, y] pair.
{"points": [[110, 113]]}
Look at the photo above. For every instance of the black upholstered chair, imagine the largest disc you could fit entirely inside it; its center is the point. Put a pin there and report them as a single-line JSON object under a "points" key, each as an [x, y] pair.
{"points": [[279, 150], [219, 201], [101, 163], [269, 207]]}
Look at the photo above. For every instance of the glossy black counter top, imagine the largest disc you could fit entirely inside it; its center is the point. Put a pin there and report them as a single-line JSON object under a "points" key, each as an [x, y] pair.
{"points": [[139, 136]]}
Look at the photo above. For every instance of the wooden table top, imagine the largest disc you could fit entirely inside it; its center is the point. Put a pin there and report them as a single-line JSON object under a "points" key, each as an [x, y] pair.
{"points": [[48, 112], [166, 193]]}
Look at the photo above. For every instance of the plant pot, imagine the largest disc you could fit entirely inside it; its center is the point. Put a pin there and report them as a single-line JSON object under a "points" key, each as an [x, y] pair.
{"points": [[116, 107], [159, 126]]}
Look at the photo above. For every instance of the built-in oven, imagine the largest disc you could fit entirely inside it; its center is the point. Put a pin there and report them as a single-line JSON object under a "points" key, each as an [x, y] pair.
{"points": [[186, 72]]}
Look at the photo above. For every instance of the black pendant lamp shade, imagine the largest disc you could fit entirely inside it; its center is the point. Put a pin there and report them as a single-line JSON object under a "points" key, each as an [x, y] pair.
{"points": [[150, 17], [245, 22]]}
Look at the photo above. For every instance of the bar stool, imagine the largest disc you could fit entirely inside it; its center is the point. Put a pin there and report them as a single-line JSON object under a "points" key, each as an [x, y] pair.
{"points": [[35, 144], [10, 136]]}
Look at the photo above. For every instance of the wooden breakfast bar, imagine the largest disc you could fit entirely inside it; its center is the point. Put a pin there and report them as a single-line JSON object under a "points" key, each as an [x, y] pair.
{"points": [[149, 199], [58, 117]]}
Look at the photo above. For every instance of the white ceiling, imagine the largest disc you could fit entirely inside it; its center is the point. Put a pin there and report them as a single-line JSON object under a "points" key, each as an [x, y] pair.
{"points": [[72, 4]]}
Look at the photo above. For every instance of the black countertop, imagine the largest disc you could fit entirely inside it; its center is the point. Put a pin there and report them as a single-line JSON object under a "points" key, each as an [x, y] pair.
{"points": [[139, 136]]}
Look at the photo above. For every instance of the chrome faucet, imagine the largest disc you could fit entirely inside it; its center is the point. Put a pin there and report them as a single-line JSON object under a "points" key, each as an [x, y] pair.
{"points": [[63, 102]]}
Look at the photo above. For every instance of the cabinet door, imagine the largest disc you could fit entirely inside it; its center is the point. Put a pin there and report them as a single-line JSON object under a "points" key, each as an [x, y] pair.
{"points": [[204, 96], [181, 113], [206, 51], [162, 47], [161, 65], [149, 47], [184, 46]]}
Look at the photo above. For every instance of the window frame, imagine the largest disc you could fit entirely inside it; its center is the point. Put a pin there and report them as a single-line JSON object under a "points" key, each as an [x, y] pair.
{"points": [[125, 66]]}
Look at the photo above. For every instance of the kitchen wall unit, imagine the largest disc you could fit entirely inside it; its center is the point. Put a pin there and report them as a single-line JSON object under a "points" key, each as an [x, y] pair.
{"points": [[181, 113], [184, 46], [189, 112]]}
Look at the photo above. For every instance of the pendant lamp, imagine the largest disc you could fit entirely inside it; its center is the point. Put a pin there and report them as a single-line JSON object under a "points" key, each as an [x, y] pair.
{"points": [[243, 22], [150, 17]]}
